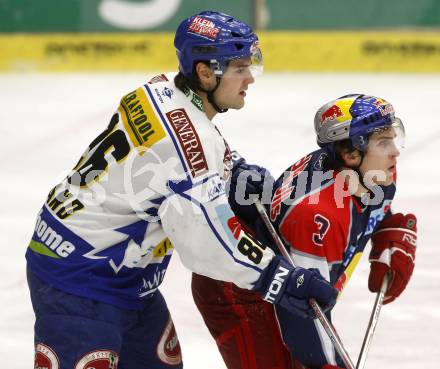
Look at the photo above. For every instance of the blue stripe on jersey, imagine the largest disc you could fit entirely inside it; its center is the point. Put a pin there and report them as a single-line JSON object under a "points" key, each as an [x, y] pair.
{"points": [[173, 138], [214, 231], [183, 186]]}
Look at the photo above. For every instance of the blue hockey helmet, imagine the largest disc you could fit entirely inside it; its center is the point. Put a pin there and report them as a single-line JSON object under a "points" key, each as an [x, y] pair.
{"points": [[355, 117], [216, 38]]}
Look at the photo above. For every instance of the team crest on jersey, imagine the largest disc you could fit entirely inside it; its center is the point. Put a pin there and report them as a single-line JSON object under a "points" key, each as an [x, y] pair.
{"points": [[168, 349], [189, 141], [45, 357], [98, 359], [168, 92]]}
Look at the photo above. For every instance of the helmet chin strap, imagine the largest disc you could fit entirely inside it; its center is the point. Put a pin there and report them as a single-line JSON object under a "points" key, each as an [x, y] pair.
{"points": [[361, 177], [210, 96]]}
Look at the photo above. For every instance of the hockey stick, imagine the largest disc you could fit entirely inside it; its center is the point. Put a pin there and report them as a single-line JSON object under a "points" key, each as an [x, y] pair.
{"points": [[328, 327], [374, 318]]}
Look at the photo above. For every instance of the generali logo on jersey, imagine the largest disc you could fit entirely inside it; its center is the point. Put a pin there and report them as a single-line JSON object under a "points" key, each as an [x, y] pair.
{"points": [[189, 141]]}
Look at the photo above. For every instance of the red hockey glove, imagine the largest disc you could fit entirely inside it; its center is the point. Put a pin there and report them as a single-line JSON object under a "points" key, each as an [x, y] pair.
{"points": [[327, 366], [393, 249]]}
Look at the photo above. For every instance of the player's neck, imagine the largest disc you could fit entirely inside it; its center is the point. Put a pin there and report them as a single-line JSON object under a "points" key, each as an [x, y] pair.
{"points": [[209, 109]]}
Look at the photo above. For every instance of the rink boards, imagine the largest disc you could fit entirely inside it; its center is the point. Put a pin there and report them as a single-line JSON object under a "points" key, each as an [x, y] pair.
{"points": [[308, 51]]}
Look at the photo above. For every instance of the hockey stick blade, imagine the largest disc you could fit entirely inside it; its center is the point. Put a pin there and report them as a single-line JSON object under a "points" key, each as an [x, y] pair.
{"points": [[328, 327]]}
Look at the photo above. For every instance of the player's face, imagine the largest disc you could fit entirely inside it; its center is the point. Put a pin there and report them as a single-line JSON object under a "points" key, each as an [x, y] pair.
{"points": [[233, 85], [381, 157]]}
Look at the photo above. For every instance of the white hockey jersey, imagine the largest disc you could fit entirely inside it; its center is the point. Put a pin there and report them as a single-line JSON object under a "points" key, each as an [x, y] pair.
{"points": [[154, 180]]}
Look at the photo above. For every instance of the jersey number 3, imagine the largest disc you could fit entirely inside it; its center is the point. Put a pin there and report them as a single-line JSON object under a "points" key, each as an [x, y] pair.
{"points": [[323, 226]]}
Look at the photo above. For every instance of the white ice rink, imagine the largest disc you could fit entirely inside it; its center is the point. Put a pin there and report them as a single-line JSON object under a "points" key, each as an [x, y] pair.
{"points": [[46, 121]]}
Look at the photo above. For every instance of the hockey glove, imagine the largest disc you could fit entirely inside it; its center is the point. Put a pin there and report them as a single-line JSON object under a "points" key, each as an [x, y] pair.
{"points": [[393, 249], [247, 183], [291, 288], [328, 366]]}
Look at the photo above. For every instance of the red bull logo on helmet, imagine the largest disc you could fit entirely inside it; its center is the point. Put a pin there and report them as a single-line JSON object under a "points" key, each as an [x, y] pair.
{"points": [[384, 107], [380, 102], [331, 113]]}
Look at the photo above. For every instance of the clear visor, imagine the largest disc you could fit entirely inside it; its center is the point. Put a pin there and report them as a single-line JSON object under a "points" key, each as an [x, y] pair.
{"points": [[387, 140], [256, 62], [246, 67]]}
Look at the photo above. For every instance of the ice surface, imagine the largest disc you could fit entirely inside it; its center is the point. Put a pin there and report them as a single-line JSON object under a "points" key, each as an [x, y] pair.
{"points": [[46, 121]]}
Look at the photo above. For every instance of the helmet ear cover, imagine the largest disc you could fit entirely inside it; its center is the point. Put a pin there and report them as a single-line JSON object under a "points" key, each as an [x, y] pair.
{"points": [[334, 159]]}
